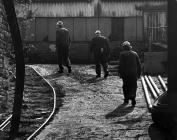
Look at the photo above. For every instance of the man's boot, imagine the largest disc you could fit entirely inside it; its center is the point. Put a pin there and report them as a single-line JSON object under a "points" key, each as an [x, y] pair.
{"points": [[133, 102], [106, 74], [126, 101], [60, 69], [69, 69]]}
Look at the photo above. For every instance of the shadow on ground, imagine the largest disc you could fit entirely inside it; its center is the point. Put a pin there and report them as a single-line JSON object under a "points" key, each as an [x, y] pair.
{"points": [[53, 76], [121, 110], [94, 79]]}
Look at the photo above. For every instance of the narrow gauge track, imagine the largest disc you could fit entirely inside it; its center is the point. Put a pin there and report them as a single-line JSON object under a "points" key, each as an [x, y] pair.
{"points": [[39, 105], [152, 90]]}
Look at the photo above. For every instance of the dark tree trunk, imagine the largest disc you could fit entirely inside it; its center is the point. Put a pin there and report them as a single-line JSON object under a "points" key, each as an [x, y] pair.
{"points": [[20, 68]]}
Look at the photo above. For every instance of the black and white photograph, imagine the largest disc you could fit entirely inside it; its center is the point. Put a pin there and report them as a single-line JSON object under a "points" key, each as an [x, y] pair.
{"points": [[88, 69]]}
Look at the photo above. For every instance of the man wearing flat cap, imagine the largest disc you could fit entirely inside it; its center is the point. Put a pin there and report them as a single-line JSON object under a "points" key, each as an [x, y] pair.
{"points": [[63, 43], [129, 70], [101, 51]]}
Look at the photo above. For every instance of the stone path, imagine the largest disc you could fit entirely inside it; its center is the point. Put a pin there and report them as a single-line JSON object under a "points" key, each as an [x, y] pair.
{"points": [[92, 108]]}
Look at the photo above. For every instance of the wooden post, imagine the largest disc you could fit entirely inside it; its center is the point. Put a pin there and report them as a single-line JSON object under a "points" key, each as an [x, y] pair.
{"points": [[20, 68]]}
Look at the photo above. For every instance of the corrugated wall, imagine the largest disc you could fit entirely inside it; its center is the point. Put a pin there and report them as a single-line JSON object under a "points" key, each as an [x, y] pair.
{"points": [[105, 26], [60, 9], [83, 29], [41, 29], [69, 24], [92, 26], [80, 29], [52, 29], [90, 9], [126, 9], [117, 29], [133, 29]]}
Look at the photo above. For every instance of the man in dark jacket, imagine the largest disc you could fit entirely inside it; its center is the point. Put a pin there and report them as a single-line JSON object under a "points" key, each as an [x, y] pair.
{"points": [[129, 71], [101, 50], [63, 43]]}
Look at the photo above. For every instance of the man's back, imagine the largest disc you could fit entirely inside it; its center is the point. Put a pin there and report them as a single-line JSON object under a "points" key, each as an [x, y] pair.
{"points": [[129, 63], [98, 43], [62, 37]]}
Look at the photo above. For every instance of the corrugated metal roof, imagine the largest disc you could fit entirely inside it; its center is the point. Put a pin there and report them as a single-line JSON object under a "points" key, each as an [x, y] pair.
{"points": [[53, 1], [131, 0], [92, 9], [71, 1], [59, 1], [126, 9], [145, 7]]}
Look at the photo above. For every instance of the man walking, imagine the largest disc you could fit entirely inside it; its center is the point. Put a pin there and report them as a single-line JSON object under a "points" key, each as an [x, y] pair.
{"points": [[129, 70], [101, 50], [63, 43]]}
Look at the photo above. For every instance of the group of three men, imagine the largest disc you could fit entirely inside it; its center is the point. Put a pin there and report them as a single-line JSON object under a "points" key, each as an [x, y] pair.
{"points": [[129, 63]]}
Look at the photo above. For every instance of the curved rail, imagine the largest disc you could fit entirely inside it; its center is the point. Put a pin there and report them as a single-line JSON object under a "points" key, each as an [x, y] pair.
{"points": [[7, 121], [148, 101], [53, 111]]}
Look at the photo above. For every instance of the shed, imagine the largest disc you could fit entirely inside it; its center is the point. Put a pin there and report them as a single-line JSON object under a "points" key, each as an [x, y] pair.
{"points": [[118, 20]]}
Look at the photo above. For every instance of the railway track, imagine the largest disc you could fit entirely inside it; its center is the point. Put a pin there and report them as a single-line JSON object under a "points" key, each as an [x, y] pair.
{"points": [[39, 105], [37, 112], [151, 91]]}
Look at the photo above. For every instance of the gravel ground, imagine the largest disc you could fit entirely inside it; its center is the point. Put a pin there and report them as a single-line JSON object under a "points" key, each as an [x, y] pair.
{"points": [[92, 108]]}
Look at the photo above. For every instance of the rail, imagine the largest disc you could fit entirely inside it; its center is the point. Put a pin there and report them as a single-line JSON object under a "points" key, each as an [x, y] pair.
{"points": [[53, 111], [7, 121]]}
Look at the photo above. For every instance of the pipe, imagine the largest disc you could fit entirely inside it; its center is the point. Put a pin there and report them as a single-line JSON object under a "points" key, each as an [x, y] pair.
{"points": [[162, 83], [148, 101], [154, 85], [151, 88]]}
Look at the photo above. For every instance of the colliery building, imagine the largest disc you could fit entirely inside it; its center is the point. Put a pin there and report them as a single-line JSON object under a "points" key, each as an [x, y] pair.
{"points": [[139, 21]]}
